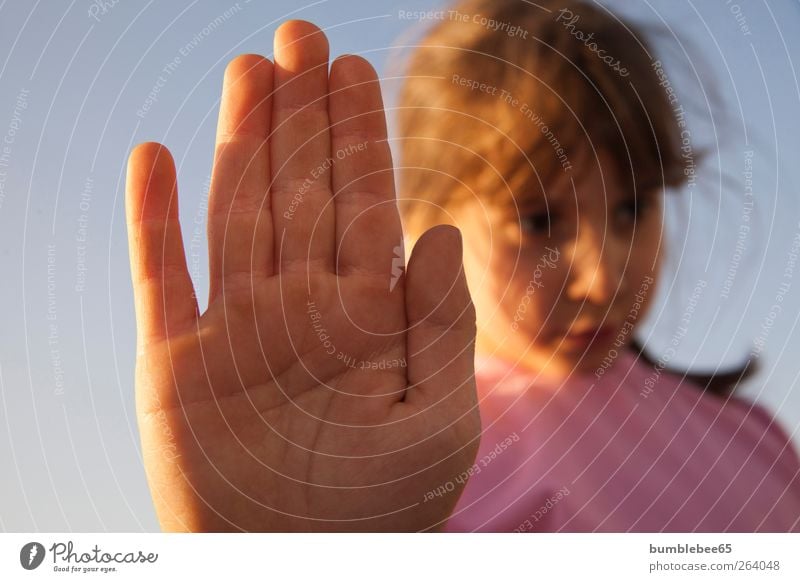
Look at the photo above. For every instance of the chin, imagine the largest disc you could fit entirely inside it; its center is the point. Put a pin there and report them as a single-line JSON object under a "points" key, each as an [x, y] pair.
{"points": [[585, 362], [588, 365]]}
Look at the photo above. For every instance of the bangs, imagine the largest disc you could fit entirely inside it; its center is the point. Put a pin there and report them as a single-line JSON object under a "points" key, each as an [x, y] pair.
{"points": [[501, 116]]}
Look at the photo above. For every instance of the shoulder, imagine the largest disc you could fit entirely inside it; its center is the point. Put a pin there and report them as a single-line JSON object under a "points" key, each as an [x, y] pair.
{"points": [[770, 430]]}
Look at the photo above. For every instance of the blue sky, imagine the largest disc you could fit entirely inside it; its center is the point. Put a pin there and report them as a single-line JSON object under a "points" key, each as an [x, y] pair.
{"points": [[79, 85]]}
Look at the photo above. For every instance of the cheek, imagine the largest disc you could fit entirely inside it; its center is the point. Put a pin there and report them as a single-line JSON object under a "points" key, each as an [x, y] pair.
{"points": [[642, 272], [646, 250], [647, 241]]}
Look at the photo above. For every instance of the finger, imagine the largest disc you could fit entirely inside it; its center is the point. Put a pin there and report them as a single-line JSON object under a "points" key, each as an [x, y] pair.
{"points": [[303, 213], [163, 291], [368, 229], [441, 319], [239, 215]]}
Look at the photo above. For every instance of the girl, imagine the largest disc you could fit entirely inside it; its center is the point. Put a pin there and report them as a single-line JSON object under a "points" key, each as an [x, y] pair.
{"points": [[544, 131]]}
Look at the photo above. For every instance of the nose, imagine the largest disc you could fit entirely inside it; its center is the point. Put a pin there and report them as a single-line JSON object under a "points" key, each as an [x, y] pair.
{"points": [[596, 265]]}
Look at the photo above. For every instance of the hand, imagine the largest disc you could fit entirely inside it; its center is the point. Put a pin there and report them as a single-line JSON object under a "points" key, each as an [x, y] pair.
{"points": [[322, 389]]}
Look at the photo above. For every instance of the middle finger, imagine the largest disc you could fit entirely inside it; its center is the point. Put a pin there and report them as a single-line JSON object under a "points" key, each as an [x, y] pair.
{"points": [[300, 148]]}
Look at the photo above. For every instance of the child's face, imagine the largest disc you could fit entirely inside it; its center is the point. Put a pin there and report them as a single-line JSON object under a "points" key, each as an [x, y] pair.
{"points": [[541, 294]]}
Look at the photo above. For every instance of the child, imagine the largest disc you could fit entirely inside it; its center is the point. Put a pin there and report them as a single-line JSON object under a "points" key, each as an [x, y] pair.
{"points": [[322, 389], [543, 131]]}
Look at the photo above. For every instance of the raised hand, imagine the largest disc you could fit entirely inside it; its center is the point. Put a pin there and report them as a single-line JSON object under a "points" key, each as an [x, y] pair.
{"points": [[323, 388]]}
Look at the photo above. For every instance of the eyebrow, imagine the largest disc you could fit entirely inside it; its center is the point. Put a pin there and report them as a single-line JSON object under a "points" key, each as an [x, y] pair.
{"points": [[538, 203], [550, 195]]}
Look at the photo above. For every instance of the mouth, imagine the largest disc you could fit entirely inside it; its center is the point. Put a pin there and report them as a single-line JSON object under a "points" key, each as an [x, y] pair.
{"points": [[584, 336]]}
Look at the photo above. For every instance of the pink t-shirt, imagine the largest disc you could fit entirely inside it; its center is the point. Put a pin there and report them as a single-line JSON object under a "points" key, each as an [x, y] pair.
{"points": [[633, 451]]}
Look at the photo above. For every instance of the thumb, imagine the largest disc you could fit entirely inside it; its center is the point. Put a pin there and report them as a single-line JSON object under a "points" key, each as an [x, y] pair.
{"points": [[441, 318]]}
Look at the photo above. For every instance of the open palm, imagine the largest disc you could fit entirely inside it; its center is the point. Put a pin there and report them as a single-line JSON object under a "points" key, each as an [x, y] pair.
{"points": [[323, 388]]}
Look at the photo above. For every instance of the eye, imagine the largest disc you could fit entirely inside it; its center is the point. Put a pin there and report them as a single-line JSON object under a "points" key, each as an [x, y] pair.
{"points": [[631, 210], [537, 223]]}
